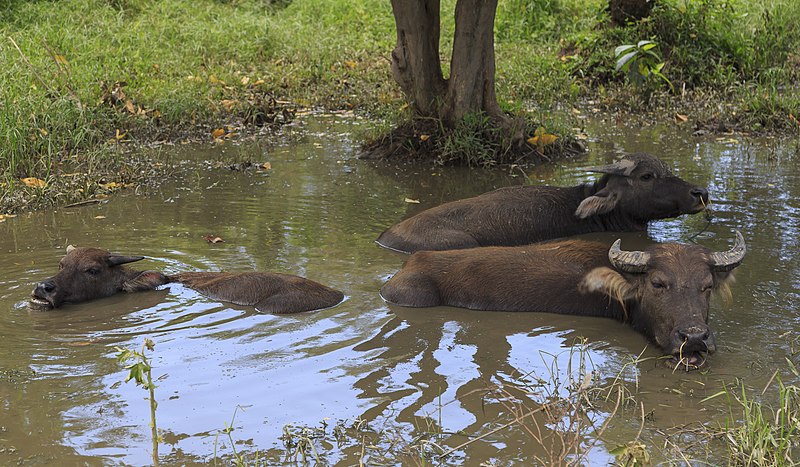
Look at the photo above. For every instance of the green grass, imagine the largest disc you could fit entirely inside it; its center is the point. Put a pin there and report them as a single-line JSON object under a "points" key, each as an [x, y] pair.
{"points": [[191, 66], [761, 435]]}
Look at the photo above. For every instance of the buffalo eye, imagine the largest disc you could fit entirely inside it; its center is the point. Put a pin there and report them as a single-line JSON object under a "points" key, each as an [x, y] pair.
{"points": [[657, 284], [646, 176], [93, 271]]}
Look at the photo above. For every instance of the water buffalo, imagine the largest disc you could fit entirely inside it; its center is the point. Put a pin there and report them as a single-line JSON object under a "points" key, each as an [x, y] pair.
{"points": [[636, 189], [89, 273], [663, 292]]}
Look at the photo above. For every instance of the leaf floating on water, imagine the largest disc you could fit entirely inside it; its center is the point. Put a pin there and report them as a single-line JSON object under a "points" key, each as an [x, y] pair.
{"points": [[412, 201], [99, 217], [33, 182], [265, 166], [213, 239], [81, 343]]}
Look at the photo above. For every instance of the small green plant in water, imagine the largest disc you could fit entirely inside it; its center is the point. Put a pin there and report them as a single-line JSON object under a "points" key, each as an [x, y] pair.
{"points": [[239, 459], [642, 65], [141, 373], [764, 436]]}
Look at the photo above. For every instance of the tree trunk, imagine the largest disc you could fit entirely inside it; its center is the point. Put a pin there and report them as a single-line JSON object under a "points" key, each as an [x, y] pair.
{"points": [[417, 68], [415, 59], [623, 11], [471, 84]]}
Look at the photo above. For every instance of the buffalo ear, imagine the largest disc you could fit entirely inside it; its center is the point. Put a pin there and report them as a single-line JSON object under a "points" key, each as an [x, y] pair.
{"points": [[600, 203], [116, 260], [607, 281], [148, 280]]}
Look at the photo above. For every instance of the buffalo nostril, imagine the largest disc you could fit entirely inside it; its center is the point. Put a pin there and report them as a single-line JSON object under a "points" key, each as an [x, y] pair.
{"points": [[694, 336], [47, 286]]}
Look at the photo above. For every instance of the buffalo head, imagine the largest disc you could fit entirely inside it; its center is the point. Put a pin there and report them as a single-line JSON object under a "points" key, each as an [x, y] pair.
{"points": [[641, 186], [89, 273], [666, 291]]}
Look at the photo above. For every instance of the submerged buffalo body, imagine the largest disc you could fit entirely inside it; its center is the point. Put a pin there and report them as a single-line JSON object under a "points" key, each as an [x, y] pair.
{"points": [[637, 189], [663, 292], [89, 273]]}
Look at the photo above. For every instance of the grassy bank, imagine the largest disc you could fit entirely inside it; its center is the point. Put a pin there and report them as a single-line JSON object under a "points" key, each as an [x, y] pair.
{"points": [[83, 81]]}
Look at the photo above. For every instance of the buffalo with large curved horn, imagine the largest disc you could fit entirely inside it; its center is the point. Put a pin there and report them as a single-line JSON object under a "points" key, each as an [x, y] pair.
{"points": [[637, 261]]}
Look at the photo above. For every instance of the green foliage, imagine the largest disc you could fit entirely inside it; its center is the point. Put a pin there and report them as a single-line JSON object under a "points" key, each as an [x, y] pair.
{"points": [[760, 436], [475, 141], [642, 65], [140, 371], [60, 59], [640, 62], [713, 42]]}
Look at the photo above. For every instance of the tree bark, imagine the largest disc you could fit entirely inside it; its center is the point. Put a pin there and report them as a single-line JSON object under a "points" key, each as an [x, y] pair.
{"points": [[471, 83], [415, 59], [416, 65], [622, 11]]}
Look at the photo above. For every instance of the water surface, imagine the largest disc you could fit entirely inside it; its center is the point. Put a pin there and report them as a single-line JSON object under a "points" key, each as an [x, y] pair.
{"points": [[405, 372]]}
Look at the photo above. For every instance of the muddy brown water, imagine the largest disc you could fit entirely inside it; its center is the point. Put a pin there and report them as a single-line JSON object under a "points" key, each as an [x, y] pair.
{"points": [[406, 373]]}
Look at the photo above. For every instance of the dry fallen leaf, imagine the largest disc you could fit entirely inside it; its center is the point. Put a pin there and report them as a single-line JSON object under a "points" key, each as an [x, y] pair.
{"points": [[413, 201], [213, 239], [217, 133], [245, 80], [680, 118], [33, 182], [543, 140], [424, 137], [80, 343], [265, 166], [229, 104]]}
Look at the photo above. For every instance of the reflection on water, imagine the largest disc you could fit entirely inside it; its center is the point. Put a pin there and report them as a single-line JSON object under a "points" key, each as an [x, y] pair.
{"points": [[316, 213]]}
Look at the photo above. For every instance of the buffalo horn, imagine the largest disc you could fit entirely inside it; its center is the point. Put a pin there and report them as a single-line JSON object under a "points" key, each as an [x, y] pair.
{"points": [[116, 260], [621, 167], [725, 261], [628, 261]]}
